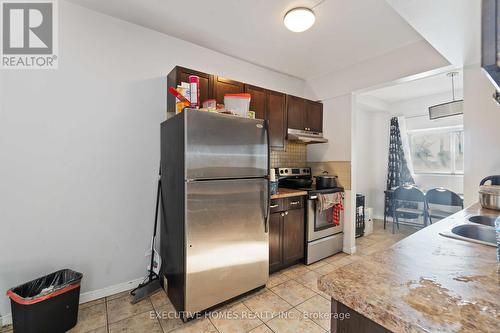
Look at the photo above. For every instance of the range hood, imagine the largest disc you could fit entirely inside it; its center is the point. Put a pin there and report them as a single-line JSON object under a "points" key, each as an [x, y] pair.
{"points": [[305, 136]]}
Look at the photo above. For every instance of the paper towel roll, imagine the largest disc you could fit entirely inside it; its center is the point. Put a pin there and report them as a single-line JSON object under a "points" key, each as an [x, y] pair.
{"points": [[272, 175]]}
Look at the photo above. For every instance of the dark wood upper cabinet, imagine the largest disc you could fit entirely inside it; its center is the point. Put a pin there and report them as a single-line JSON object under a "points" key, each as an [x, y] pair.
{"points": [[181, 74], [258, 103], [304, 114], [296, 109], [314, 116], [276, 114], [224, 86], [282, 111]]}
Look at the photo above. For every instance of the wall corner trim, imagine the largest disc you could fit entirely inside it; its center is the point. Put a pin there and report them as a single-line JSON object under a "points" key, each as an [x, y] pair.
{"points": [[348, 250]]}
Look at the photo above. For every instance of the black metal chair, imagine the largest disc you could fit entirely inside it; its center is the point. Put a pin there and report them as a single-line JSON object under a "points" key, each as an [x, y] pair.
{"points": [[409, 203], [495, 180], [442, 197]]}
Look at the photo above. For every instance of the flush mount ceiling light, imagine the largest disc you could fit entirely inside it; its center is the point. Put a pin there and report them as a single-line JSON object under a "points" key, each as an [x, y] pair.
{"points": [[299, 19]]}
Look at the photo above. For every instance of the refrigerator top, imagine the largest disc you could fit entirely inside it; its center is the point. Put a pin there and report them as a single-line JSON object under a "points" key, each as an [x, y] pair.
{"points": [[219, 146]]}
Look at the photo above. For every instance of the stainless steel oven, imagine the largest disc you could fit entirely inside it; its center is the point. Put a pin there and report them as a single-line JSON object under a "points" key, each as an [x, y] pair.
{"points": [[324, 238]]}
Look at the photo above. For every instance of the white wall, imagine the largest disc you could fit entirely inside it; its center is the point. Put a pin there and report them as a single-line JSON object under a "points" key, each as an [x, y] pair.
{"points": [[451, 26], [371, 150], [80, 148], [337, 129], [372, 156], [482, 134]]}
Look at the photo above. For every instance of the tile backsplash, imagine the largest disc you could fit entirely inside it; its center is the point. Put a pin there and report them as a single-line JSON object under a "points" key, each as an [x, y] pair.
{"points": [[295, 155], [342, 169]]}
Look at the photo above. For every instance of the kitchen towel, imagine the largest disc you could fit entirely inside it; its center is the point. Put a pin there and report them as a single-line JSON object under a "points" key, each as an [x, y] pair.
{"points": [[337, 208], [327, 201]]}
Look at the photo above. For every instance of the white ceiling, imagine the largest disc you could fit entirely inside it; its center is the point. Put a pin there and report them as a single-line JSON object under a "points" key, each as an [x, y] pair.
{"points": [[432, 85], [452, 27], [346, 32]]}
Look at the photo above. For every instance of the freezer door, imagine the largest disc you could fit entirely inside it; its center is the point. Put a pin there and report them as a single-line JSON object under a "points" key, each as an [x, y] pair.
{"points": [[224, 146], [227, 250]]}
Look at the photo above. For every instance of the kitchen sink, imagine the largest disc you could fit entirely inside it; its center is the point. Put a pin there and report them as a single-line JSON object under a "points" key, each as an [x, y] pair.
{"points": [[473, 233], [484, 220]]}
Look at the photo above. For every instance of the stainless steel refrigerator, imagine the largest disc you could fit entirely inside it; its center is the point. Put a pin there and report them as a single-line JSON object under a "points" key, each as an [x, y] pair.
{"points": [[214, 234]]}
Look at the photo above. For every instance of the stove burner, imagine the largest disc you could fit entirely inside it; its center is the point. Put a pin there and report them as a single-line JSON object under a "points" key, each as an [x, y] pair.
{"points": [[301, 179], [296, 182]]}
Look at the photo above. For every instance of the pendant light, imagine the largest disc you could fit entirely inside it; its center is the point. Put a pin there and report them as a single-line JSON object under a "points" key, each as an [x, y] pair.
{"points": [[453, 108]]}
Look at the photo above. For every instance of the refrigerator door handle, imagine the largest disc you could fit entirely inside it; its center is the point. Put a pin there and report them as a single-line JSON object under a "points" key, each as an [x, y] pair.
{"points": [[268, 207], [268, 203]]}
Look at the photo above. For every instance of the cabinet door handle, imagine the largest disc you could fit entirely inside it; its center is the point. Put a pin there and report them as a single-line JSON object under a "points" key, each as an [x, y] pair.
{"points": [[286, 213], [273, 206], [294, 202], [282, 214]]}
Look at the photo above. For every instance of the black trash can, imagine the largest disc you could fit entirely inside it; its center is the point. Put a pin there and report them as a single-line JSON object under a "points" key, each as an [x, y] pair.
{"points": [[360, 215], [47, 304]]}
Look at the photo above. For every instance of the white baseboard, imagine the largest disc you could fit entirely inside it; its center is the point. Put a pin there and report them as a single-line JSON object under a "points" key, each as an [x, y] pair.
{"points": [[350, 250], [90, 296], [108, 291]]}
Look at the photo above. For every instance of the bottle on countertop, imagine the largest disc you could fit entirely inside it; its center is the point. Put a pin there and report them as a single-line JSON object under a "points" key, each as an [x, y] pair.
{"points": [[194, 88]]}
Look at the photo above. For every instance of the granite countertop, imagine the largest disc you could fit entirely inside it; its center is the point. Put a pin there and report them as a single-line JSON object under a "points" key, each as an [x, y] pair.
{"points": [[425, 283], [287, 192]]}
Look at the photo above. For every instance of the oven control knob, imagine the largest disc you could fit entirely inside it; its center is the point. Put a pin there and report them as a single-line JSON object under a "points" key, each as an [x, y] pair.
{"points": [[286, 170], [281, 171]]}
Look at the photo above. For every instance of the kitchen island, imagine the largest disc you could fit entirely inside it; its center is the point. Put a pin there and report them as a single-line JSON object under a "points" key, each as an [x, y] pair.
{"points": [[424, 283]]}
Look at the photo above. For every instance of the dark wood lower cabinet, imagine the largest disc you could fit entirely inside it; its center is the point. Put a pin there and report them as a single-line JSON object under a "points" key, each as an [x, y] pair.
{"points": [[275, 242], [346, 320], [293, 235], [286, 234]]}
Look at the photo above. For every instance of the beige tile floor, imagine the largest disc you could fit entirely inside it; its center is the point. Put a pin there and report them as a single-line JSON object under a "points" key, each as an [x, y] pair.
{"points": [[291, 302]]}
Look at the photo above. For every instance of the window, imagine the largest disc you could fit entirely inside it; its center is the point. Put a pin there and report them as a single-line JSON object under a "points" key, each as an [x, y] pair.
{"points": [[437, 150]]}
